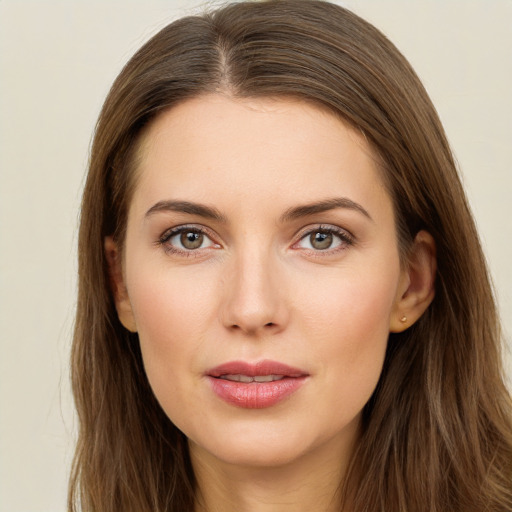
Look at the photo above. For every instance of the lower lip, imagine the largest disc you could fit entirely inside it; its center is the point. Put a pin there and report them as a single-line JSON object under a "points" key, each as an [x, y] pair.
{"points": [[255, 395]]}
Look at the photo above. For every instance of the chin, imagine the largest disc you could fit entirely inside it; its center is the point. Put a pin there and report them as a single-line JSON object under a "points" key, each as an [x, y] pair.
{"points": [[250, 445], [270, 445], [251, 456]]}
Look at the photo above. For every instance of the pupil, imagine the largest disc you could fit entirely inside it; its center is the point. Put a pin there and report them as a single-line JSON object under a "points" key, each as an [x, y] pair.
{"points": [[321, 240], [191, 240]]}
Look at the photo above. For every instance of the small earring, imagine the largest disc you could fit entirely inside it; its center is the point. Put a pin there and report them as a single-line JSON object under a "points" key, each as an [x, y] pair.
{"points": [[403, 319]]}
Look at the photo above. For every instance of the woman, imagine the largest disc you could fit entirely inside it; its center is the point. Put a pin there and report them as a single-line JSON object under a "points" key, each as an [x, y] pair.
{"points": [[283, 303]]}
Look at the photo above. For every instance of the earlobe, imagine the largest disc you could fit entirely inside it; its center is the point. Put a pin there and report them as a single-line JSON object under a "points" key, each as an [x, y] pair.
{"points": [[117, 285], [416, 290]]}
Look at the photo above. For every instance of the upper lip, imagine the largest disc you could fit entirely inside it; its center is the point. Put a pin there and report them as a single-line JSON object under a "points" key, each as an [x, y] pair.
{"points": [[265, 367]]}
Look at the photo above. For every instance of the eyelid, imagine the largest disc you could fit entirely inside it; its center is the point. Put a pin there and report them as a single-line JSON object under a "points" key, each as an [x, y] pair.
{"points": [[346, 237], [169, 233]]}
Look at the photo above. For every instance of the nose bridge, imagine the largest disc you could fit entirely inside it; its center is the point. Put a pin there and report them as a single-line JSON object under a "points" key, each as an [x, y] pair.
{"points": [[253, 299]]}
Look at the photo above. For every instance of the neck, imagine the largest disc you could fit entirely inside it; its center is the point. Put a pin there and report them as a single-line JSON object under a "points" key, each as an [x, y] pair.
{"points": [[311, 482]]}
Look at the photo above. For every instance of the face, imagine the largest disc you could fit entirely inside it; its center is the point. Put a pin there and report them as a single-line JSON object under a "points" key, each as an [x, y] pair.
{"points": [[262, 273]]}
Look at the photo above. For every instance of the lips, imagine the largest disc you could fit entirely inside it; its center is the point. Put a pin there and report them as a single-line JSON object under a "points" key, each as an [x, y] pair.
{"points": [[255, 386], [247, 378]]}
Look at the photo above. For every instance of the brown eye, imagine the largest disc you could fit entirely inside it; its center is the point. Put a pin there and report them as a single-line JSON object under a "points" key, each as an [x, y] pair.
{"points": [[328, 239], [320, 240], [185, 240], [191, 240]]}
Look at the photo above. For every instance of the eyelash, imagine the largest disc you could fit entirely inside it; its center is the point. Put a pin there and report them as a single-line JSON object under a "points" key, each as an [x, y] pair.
{"points": [[163, 241], [346, 239]]}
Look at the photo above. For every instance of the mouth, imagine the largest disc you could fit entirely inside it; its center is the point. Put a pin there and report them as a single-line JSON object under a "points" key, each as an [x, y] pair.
{"points": [[261, 369], [255, 386], [256, 378]]}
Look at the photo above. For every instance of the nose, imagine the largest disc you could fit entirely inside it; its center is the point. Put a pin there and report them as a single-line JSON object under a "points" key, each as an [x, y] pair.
{"points": [[254, 300]]}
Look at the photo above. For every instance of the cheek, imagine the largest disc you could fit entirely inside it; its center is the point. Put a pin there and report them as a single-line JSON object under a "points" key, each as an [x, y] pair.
{"points": [[172, 311], [353, 305], [172, 314], [350, 327]]}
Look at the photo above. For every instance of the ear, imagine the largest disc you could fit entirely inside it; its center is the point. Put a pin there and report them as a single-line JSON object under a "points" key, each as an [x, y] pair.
{"points": [[416, 288], [119, 291]]}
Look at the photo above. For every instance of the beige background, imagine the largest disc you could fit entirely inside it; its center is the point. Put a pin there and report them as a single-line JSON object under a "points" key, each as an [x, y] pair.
{"points": [[57, 60]]}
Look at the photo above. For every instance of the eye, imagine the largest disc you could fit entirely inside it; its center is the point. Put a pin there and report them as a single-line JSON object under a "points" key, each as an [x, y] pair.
{"points": [[189, 240], [186, 239], [324, 239]]}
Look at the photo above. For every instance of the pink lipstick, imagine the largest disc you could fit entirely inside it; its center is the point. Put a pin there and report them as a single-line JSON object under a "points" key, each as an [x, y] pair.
{"points": [[255, 386]]}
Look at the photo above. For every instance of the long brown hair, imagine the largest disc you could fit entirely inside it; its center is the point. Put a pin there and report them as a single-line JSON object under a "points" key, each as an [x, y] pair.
{"points": [[437, 432]]}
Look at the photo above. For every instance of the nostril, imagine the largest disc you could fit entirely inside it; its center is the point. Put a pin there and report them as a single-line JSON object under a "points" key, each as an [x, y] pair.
{"points": [[254, 329]]}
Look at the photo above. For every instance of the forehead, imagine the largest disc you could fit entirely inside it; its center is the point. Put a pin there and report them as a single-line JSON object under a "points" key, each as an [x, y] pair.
{"points": [[214, 147]]}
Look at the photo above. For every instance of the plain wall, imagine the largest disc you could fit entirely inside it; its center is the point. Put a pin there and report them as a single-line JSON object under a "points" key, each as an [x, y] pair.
{"points": [[57, 61]]}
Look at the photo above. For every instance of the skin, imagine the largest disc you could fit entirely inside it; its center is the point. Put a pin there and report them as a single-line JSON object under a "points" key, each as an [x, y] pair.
{"points": [[257, 287]]}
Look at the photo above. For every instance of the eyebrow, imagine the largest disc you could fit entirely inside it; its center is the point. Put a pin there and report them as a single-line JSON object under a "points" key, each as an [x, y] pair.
{"points": [[208, 212], [323, 206]]}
